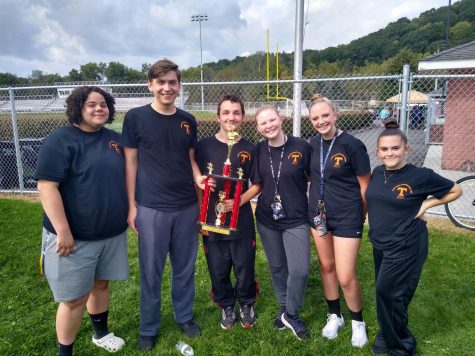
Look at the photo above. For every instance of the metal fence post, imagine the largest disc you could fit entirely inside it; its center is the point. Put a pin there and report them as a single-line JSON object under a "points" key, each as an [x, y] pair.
{"points": [[298, 60], [16, 141], [404, 97], [182, 98]]}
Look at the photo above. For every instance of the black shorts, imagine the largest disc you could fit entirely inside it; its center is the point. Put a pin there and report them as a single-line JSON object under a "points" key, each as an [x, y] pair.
{"points": [[355, 231]]}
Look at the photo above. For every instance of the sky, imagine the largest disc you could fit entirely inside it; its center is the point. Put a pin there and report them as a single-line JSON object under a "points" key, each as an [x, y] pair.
{"points": [[55, 36]]}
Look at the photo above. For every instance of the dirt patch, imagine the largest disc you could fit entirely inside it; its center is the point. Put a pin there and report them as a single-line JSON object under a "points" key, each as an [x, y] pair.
{"points": [[444, 224], [33, 197]]}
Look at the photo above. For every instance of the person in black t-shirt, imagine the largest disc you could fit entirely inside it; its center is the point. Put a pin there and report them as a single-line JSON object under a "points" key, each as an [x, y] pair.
{"points": [[236, 251], [340, 172], [398, 196], [81, 184], [281, 215], [159, 142]]}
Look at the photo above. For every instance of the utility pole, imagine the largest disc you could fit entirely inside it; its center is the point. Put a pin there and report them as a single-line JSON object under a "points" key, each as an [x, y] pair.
{"points": [[447, 26], [200, 18]]}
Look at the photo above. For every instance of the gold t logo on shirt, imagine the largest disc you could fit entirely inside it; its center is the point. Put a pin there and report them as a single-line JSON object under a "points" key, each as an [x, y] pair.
{"points": [[338, 158], [244, 157], [186, 126], [403, 190], [295, 157]]}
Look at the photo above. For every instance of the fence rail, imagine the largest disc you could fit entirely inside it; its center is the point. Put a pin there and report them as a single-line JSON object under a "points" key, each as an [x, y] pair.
{"points": [[436, 110]]}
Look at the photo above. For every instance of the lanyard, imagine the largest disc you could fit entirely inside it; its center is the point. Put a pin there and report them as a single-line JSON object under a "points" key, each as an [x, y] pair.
{"points": [[323, 162], [276, 181]]}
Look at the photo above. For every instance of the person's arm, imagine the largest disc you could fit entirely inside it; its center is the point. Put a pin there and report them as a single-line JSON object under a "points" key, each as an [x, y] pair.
{"points": [[453, 194], [199, 179], [363, 182], [53, 206], [245, 198], [131, 164]]}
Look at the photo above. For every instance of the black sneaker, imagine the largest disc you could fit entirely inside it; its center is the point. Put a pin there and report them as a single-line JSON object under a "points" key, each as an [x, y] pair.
{"points": [[248, 317], [228, 318], [296, 325], [379, 347], [146, 343], [278, 324], [191, 329]]}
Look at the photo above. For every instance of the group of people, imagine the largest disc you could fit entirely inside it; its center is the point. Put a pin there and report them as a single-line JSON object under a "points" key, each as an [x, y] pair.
{"points": [[93, 183]]}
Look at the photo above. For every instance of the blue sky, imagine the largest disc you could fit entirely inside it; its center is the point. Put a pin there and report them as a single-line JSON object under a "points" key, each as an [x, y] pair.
{"points": [[55, 36]]}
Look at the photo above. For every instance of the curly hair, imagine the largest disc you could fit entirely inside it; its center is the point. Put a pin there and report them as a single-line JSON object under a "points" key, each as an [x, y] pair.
{"points": [[78, 97], [232, 98]]}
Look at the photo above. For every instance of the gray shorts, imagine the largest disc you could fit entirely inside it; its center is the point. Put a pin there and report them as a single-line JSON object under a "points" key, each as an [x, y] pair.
{"points": [[72, 277]]}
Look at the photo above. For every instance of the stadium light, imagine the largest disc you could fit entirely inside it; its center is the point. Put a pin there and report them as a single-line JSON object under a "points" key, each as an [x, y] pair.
{"points": [[200, 18]]}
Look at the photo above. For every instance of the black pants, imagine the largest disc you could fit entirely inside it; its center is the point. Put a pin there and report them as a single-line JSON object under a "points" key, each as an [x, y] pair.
{"points": [[224, 255], [397, 273]]}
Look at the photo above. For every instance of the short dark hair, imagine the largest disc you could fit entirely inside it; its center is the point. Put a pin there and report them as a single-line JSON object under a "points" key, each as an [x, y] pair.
{"points": [[161, 67], [78, 97], [391, 128], [232, 98]]}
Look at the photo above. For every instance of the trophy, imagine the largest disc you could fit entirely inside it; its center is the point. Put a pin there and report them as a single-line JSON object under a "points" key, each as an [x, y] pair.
{"points": [[219, 221]]}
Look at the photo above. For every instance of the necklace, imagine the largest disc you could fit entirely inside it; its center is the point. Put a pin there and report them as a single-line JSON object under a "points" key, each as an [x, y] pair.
{"points": [[390, 175]]}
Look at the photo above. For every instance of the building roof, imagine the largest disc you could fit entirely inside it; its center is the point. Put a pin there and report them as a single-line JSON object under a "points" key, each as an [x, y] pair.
{"points": [[460, 57]]}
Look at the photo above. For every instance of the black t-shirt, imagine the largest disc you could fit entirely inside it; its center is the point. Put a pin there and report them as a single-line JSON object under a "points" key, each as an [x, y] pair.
{"points": [[342, 195], [393, 206], [90, 170], [292, 182], [164, 176], [243, 155]]}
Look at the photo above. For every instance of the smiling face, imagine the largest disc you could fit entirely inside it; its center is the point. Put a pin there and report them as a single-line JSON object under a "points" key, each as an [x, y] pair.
{"points": [[392, 151], [230, 116], [165, 89], [95, 113], [269, 124], [323, 118]]}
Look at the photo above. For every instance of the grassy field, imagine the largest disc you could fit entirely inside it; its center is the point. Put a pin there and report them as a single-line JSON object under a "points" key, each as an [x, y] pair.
{"points": [[441, 314]]}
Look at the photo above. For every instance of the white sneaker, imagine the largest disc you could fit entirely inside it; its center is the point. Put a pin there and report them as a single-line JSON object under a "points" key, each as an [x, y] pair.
{"points": [[334, 324], [359, 337]]}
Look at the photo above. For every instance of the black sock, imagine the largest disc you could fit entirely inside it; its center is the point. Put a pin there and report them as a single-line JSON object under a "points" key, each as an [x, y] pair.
{"points": [[358, 316], [334, 307], [99, 322], [65, 350]]}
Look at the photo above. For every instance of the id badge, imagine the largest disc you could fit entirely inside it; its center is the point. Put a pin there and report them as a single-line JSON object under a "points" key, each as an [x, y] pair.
{"points": [[320, 220]]}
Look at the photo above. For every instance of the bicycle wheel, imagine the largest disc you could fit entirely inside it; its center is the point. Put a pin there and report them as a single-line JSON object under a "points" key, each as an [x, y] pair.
{"points": [[462, 210]]}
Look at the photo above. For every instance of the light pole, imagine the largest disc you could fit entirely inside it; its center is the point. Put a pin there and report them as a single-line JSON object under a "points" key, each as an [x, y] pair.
{"points": [[200, 18]]}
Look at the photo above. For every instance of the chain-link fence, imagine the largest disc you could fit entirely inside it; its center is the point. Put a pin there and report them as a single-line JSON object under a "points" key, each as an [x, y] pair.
{"points": [[436, 109]]}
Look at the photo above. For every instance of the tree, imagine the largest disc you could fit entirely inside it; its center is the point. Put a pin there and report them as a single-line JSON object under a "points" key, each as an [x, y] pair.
{"points": [[74, 75], [145, 69], [8, 79], [404, 56], [92, 71], [116, 72], [462, 32]]}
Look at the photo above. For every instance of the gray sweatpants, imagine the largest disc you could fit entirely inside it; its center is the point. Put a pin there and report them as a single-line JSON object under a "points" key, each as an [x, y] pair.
{"points": [[163, 233], [288, 254]]}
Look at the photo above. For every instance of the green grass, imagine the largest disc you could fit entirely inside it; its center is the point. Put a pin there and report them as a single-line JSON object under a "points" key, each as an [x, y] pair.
{"points": [[441, 314]]}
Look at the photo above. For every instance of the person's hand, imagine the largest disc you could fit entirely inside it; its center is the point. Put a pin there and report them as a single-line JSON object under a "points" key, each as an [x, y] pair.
{"points": [[228, 205], [204, 232], [64, 243], [422, 210], [201, 182], [131, 218]]}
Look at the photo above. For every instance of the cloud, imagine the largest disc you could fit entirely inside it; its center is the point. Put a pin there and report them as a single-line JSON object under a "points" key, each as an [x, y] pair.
{"points": [[57, 35]]}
